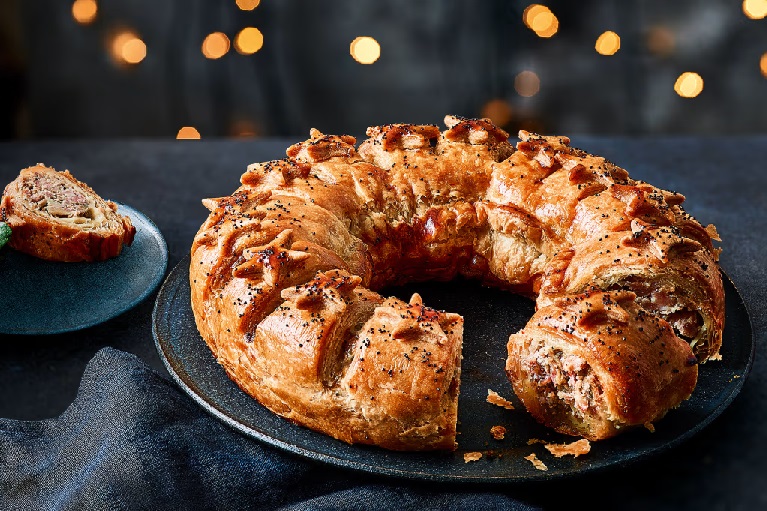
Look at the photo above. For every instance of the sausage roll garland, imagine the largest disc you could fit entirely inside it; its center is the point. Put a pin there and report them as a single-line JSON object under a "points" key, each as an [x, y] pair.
{"points": [[284, 273]]}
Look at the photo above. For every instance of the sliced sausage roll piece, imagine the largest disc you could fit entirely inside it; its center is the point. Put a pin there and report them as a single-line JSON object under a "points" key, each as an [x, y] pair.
{"points": [[56, 217], [594, 364]]}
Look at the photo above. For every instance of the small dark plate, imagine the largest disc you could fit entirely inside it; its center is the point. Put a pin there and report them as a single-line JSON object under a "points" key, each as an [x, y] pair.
{"points": [[490, 315], [45, 297]]}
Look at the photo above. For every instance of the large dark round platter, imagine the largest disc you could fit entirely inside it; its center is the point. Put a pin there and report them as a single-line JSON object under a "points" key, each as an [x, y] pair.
{"points": [[490, 316], [45, 297]]}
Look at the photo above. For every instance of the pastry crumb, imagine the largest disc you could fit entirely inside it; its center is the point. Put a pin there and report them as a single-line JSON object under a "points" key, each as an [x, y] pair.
{"points": [[538, 464], [535, 441], [498, 432], [495, 399], [649, 426], [712, 233], [471, 456], [576, 448]]}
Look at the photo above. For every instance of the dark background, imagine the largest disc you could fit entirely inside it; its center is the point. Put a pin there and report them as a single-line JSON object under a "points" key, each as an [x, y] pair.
{"points": [[60, 79]]}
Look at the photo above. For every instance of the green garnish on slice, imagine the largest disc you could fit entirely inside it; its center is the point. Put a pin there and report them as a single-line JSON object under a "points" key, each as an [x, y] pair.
{"points": [[5, 233]]}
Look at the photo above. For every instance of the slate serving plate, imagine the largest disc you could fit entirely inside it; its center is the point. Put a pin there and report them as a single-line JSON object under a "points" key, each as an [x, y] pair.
{"points": [[44, 297], [490, 315]]}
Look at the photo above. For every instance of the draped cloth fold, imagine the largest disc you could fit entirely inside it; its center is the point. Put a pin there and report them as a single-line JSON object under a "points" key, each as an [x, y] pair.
{"points": [[132, 440]]}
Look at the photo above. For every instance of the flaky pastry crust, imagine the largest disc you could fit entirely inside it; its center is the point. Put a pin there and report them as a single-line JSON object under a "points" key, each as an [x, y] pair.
{"points": [[58, 218], [284, 273]]}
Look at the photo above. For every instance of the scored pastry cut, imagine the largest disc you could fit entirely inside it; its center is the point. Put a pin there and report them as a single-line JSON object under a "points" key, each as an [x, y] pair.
{"points": [[58, 218], [284, 274]]}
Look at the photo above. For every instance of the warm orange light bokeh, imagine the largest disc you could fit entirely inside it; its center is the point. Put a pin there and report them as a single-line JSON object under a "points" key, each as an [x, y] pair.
{"points": [[244, 128], [134, 51], [188, 133], [531, 12], [660, 40], [608, 43], [527, 84], [84, 11], [763, 65], [128, 48], [248, 5], [248, 41], [215, 45], [689, 85], [755, 9], [540, 20], [365, 50], [497, 110]]}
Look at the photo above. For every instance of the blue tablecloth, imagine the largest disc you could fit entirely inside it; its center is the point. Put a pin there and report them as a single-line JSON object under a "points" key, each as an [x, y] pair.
{"points": [[132, 440]]}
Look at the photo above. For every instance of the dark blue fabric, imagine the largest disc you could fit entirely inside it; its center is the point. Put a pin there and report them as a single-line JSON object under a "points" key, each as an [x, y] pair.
{"points": [[132, 440]]}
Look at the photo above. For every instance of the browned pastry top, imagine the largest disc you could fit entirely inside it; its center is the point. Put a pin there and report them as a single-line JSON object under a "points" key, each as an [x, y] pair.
{"points": [[284, 271]]}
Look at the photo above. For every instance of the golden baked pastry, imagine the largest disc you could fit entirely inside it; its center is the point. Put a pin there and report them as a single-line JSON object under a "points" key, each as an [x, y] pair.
{"points": [[284, 272], [56, 217], [592, 364]]}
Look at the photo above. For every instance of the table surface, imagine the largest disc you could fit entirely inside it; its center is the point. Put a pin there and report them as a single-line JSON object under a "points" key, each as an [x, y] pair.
{"points": [[723, 178]]}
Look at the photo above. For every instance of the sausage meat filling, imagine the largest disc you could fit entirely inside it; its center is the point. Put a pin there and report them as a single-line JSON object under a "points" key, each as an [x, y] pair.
{"points": [[662, 300], [566, 381]]}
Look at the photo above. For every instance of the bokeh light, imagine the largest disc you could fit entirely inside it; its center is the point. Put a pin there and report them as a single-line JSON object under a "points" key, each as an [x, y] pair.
{"points": [[527, 84], [134, 51], [763, 65], [365, 50], [248, 5], [215, 45], [550, 31], [660, 40], [608, 43], [128, 48], [540, 20], [249, 41], [244, 128], [188, 133], [498, 111], [84, 11], [689, 85], [755, 9]]}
